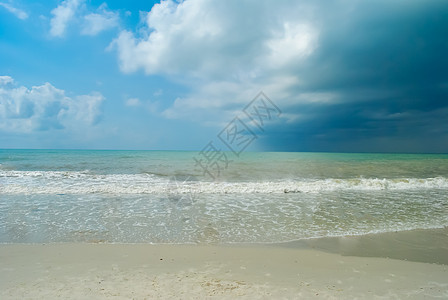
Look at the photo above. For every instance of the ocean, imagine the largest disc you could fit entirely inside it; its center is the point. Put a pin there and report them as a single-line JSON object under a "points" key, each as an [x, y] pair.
{"points": [[53, 196]]}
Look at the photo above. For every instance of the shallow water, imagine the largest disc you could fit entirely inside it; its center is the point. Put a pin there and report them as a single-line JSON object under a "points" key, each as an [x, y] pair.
{"points": [[163, 197]]}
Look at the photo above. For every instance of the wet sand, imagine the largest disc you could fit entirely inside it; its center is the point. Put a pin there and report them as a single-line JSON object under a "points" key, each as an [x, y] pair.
{"points": [[428, 246], [331, 268]]}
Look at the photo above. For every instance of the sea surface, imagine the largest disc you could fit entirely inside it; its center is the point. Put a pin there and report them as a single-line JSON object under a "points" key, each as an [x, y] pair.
{"points": [[166, 197]]}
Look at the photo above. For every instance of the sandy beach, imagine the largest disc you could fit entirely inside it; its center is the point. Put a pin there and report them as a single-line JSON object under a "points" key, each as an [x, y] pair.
{"points": [[279, 226], [142, 271]]}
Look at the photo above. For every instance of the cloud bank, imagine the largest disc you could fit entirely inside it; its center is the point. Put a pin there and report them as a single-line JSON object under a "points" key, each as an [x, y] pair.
{"points": [[226, 52], [344, 72], [44, 107], [203, 38]]}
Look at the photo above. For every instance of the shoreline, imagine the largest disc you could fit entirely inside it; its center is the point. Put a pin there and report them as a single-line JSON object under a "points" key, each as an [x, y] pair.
{"points": [[323, 268], [417, 245], [410, 245]]}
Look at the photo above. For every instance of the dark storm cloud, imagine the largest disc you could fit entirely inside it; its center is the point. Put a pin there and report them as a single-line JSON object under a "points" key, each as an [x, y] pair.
{"points": [[385, 64]]}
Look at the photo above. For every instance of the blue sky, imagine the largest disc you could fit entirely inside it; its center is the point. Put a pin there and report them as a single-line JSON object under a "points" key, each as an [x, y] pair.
{"points": [[367, 76]]}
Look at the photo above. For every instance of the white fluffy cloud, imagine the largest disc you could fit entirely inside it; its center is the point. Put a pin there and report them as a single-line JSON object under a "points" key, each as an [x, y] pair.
{"points": [[15, 11], [102, 20], [4, 80], [62, 15], [92, 23], [226, 51], [44, 107]]}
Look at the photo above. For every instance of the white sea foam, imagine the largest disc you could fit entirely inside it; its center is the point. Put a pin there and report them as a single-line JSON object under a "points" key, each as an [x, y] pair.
{"points": [[58, 182]]}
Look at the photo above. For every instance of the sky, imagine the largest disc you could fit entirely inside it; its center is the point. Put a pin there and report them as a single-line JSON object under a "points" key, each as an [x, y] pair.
{"points": [[347, 76]]}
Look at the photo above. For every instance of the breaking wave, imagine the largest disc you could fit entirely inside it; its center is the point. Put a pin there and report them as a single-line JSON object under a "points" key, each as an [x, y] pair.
{"points": [[55, 182]]}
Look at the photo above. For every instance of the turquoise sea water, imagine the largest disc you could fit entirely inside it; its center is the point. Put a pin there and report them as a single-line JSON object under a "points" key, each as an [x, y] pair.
{"points": [[165, 197]]}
